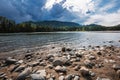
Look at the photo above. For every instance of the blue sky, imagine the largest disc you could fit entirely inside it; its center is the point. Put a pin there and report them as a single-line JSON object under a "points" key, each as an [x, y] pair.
{"points": [[103, 12]]}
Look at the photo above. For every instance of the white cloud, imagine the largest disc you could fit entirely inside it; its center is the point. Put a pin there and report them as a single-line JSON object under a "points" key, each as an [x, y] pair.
{"points": [[106, 19], [79, 6]]}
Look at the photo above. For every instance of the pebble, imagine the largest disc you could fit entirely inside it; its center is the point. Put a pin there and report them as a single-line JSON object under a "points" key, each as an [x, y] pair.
{"points": [[24, 74]]}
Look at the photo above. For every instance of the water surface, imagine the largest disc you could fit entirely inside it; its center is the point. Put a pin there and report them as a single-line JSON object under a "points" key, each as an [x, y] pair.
{"points": [[16, 41]]}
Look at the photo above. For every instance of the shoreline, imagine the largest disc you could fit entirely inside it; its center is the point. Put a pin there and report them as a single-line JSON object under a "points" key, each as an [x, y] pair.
{"points": [[61, 32], [61, 62]]}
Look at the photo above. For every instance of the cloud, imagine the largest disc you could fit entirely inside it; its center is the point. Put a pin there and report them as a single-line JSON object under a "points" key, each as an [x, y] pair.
{"points": [[103, 12], [106, 19]]}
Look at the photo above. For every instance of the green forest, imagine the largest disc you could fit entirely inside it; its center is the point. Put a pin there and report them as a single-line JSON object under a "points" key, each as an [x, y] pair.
{"points": [[10, 26]]}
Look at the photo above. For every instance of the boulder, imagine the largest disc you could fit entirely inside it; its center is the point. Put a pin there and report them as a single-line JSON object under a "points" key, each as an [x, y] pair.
{"points": [[24, 74]]}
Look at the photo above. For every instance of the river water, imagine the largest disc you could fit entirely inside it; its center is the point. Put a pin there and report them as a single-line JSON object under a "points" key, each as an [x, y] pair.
{"points": [[15, 41]]}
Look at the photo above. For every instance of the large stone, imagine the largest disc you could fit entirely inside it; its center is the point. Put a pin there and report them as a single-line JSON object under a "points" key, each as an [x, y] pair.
{"points": [[61, 69], [85, 72], [10, 60], [20, 68], [24, 74], [60, 61], [37, 77]]}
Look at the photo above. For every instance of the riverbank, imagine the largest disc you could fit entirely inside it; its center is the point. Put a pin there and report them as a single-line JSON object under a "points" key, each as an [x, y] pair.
{"points": [[60, 62]]}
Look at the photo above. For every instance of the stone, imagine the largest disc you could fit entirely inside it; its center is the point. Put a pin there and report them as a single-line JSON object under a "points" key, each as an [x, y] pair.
{"points": [[14, 68], [68, 49], [76, 78], [61, 69], [49, 56], [92, 74], [68, 57], [20, 62], [61, 78], [92, 57], [112, 61], [77, 59], [63, 49], [10, 60], [116, 67], [51, 79], [2, 75], [37, 77], [69, 77], [43, 63], [98, 78], [28, 54], [79, 55], [24, 74], [99, 53], [84, 72], [51, 59], [76, 68], [60, 61], [42, 72], [33, 64], [89, 64], [20, 68], [50, 66]]}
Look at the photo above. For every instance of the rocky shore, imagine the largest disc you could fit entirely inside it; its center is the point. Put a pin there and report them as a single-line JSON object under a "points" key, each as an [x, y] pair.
{"points": [[62, 63]]}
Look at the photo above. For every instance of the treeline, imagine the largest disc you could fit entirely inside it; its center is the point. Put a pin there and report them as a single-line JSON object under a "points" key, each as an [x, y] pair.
{"points": [[9, 26]]}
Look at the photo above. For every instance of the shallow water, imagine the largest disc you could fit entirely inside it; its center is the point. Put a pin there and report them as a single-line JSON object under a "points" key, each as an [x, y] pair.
{"points": [[14, 41]]}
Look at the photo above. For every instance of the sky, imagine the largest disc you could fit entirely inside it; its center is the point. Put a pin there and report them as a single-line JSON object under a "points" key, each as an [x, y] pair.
{"points": [[102, 12]]}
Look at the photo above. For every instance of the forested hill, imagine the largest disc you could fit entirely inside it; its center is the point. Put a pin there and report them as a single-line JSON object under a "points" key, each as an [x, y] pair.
{"points": [[54, 23], [7, 25]]}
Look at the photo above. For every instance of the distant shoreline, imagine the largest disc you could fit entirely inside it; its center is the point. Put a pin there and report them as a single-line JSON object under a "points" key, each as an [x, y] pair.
{"points": [[62, 32]]}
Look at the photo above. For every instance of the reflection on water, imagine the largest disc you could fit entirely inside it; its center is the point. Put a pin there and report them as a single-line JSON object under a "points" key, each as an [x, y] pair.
{"points": [[9, 42]]}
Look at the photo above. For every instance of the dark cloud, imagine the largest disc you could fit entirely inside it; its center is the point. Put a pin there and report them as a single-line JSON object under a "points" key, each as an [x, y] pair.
{"points": [[25, 10]]}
